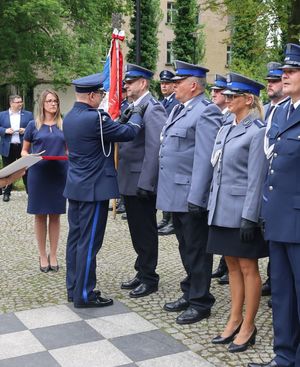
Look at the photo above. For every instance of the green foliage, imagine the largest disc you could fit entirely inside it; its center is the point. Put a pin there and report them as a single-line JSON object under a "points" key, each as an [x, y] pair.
{"points": [[59, 39], [259, 31], [188, 44], [150, 17]]}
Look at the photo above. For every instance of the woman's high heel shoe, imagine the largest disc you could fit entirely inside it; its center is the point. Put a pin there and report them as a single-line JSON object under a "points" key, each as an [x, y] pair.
{"points": [[225, 340], [44, 269], [54, 268], [235, 348]]}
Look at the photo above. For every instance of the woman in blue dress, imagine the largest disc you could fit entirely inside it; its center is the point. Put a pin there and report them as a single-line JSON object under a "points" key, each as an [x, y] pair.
{"points": [[46, 179]]}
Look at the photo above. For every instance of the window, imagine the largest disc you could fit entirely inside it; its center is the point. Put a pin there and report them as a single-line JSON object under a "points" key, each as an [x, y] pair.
{"points": [[228, 56], [171, 12], [170, 56]]}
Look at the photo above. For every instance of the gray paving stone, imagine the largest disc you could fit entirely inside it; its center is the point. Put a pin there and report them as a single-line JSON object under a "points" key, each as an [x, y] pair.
{"points": [[42, 359], [23, 286], [147, 345], [9, 323], [89, 313], [96, 354], [64, 335]]}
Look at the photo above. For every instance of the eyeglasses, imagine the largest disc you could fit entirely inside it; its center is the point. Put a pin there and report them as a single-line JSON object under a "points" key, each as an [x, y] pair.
{"points": [[51, 101], [17, 101]]}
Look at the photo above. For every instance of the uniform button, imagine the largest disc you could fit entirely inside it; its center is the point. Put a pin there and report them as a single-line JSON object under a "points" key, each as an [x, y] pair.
{"points": [[275, 155], [272, 171], [270, 188], [163, 145], [279, 138]]}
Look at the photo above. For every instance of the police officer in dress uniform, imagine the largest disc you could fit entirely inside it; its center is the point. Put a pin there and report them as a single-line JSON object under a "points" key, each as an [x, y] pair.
{"points": [[185, 174], [165, 226], [277, 98], [219, 99], [137, 175], [281, 210], [91, 182], [234, 207]]}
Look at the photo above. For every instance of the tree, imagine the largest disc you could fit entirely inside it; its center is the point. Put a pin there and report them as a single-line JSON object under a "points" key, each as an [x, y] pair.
{"points": [[150, 16], [53, 39], [258, 31], [188, 44]]}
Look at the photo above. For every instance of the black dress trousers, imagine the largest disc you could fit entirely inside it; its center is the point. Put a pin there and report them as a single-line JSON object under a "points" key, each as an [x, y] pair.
{"points": [[141, 217], [192, 233]]}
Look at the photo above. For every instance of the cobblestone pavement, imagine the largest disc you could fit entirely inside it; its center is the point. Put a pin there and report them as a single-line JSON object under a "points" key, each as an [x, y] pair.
{"points": [[23, 286]]}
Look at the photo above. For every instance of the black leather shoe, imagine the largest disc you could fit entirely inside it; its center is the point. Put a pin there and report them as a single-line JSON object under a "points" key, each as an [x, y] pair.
{"points": [[266, 288], [180, 305], [97, 302], [191, 315], [162, 223], [270, 302], [224, 279], [6, 197], [220, 340], [131, 284], [166, 230], [268, 364], [236, 348], [121, 209], [219, 272], [96, 291], [44, 269], [143, 290], [54, 268]]}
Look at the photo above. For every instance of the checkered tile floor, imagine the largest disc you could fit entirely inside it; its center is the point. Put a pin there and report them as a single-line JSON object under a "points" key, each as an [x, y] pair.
{"points": [[108, 337]]}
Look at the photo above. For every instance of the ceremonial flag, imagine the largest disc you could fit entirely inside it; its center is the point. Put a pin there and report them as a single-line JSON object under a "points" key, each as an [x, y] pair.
{"points": [[113, 70]]}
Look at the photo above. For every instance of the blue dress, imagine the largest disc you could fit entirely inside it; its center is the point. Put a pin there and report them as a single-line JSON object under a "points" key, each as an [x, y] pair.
{"points": [[46, 179]]}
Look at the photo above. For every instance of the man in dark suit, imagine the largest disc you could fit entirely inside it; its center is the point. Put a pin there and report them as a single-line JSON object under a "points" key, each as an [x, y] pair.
{"points": [[281, 211], [137, 175], [12, 126], [91, 182], [185, 174], [165, 226]]}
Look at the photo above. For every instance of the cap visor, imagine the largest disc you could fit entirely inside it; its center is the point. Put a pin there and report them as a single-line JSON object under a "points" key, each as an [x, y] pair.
{"points": [[230, 92], [131, 78], [273, 78], [287, 66], [179, 77]]}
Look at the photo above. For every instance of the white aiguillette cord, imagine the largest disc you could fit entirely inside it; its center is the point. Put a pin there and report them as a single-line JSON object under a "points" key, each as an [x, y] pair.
{"points": [[102, 140]]}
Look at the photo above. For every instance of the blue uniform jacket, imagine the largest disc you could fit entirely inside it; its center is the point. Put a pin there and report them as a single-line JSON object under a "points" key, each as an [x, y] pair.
{"points": [[187, 140], [92, 175], [5, 140], [281, 201], [170, 103], [138, 160]]}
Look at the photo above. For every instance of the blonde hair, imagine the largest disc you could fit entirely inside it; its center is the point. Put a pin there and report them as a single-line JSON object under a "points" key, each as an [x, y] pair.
{"points": [[256, 108], [40, 115]]}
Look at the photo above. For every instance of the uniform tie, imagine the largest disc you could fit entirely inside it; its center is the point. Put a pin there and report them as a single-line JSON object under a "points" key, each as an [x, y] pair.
{"points": [[179, 109], [268, 113], [165, 102], [291, 109]]}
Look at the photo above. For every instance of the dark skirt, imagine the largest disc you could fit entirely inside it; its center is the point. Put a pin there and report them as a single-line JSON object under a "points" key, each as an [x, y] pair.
{"points": [[226, 241], [46, 182]]}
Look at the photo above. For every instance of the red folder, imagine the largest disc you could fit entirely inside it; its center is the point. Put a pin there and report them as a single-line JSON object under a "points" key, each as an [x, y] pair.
{"points": [[55, 157]]}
